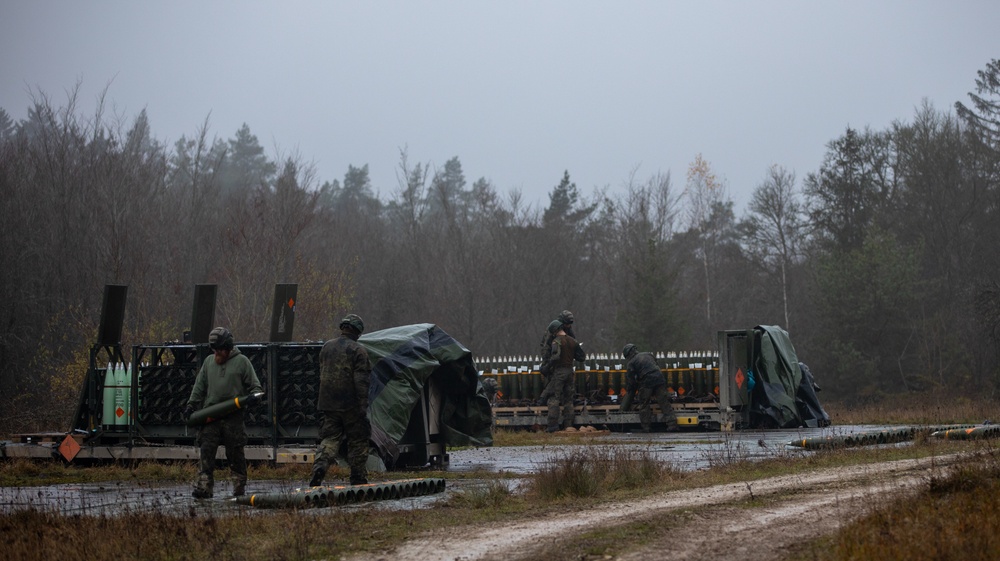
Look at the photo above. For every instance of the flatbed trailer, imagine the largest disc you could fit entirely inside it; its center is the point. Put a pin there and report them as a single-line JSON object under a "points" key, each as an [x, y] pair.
{"points": [[695, 416], [710, 388]]}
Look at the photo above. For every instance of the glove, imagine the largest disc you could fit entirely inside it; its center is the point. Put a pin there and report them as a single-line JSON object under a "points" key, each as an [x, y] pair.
{"points": [[187, 412]]}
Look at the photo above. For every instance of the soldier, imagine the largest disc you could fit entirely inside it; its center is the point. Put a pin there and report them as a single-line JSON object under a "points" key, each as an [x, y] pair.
{"points": [[565, 320], [490, 386], [563, 352], [345, 377], [225, 375], [644, 375]]}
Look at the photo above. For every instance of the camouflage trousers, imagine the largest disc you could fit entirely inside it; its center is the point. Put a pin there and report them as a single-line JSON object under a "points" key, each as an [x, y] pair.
{"points": [[560, 392], [646, 406], [231, 433], [352, 425]]}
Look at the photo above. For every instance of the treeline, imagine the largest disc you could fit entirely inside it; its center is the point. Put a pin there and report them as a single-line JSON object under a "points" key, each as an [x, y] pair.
{"points": [[882, 263]]}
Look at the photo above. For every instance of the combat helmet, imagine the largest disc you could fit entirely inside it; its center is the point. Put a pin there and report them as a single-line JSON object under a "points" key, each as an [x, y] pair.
{"points": [[554, 326], [354, 322], [220, 338], [566, 317], [628, 350]]}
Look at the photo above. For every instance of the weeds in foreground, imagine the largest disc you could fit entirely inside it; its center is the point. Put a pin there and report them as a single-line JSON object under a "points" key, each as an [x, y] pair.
{"points": [[957, 516], [592, 472], [155, 536], [495, 494]]}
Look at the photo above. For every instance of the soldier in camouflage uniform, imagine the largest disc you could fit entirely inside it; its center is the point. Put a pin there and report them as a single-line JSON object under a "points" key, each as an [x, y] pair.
{"points": [[345, 377], [565, 320], [643, 375], [225, 375], [563, 352]]}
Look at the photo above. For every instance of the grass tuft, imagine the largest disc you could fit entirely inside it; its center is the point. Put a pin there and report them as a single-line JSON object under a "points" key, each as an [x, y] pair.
{"points": [[495, 494], [592, 472]]}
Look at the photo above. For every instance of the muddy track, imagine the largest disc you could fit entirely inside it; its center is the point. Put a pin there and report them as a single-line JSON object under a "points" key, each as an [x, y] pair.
{"points": [[705, 523]]}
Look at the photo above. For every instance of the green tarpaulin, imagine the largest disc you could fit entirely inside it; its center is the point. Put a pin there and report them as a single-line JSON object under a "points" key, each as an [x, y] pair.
{"points": [[784, 394], [408, 359]]}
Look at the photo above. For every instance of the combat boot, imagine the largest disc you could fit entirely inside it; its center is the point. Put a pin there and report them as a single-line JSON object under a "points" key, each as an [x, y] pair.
{"points": [[203, 489], [359, 477], [240, 487], [318, 473]]}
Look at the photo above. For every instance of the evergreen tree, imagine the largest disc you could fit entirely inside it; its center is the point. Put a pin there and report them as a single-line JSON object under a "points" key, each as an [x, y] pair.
{"points": [[984, 115]]}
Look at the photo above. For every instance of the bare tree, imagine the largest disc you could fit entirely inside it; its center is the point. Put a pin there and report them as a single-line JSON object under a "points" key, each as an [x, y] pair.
{"points": [[704, 192], [775, 228]]}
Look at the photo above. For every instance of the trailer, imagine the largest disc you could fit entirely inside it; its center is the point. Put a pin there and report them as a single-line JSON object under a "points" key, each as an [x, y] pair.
{"points": [[712, 390]]}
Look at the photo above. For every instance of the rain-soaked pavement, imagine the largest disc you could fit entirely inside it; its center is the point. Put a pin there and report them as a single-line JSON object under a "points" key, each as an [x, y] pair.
{"points": [[683, 450]]}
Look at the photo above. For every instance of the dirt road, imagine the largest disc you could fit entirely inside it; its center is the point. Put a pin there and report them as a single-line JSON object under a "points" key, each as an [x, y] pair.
{"points": [[758, 520]]}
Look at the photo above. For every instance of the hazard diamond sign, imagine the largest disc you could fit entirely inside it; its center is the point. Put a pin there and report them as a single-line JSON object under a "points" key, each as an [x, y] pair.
{"points": [[69, 448]]}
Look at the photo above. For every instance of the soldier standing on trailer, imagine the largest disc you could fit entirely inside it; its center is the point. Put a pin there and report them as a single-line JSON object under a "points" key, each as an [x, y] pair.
{"points": [[564, 351], [344, 380], [225, 375], [644, 376], [565, 320]]}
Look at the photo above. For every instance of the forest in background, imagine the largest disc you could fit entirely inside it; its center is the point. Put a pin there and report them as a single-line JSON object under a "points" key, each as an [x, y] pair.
{"points": [[882, 263]]}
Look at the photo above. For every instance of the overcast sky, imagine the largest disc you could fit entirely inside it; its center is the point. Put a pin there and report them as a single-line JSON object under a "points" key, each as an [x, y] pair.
{"points": [[519, 91]]}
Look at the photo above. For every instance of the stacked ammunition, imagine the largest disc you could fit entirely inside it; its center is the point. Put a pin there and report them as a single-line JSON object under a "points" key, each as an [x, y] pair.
{"points": [[691, 376]]}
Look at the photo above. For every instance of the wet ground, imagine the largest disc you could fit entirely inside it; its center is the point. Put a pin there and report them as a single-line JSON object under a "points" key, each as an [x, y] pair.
{"points": [[684, 450]]}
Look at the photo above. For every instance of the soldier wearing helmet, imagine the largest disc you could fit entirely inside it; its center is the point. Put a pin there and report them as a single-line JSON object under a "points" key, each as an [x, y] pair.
{"points": [[564, 321], [225, 375], [344, 381], [566, 318], [559, 390], [643, 376]]}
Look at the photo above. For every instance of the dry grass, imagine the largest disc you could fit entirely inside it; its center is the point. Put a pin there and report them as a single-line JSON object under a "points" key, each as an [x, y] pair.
{"points": [[593, 472], [279, 535], [956, 517], [937, 408]]}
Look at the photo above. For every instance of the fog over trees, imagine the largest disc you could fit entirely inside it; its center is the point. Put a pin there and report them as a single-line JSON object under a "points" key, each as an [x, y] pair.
{"points": [[882, 263]]}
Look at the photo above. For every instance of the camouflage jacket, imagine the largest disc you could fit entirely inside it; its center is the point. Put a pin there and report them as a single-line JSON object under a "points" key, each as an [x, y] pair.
{"points": [[344, 375], [564, 351], [643, 371]]}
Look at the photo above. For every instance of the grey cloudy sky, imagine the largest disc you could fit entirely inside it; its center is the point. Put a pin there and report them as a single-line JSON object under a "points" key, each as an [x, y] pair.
{"points": [[518, 90]]}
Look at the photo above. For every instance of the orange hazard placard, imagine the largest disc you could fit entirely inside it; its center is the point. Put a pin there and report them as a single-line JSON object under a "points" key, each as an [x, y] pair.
{"points": [[69, 448]]}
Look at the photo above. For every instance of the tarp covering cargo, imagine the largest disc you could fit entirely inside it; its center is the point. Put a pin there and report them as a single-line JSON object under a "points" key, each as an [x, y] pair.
{"points": [[408, 359], [783, 396]]}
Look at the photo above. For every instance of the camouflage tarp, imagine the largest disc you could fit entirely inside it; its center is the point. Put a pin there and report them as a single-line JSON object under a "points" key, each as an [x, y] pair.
{"points": [[404, 360], [778, 398]]}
